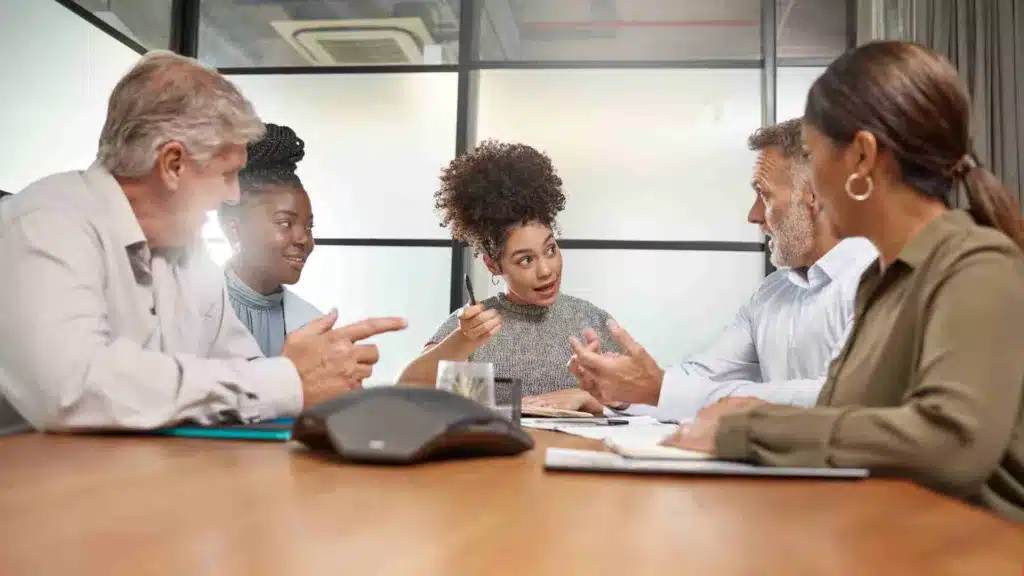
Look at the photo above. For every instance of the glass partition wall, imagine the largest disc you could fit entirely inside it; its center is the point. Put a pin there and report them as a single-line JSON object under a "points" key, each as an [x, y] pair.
{"points": [[643, 105]]}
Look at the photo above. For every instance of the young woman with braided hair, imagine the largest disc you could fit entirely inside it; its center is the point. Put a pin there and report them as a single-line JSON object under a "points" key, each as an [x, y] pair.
{"points": [[270, 231]]}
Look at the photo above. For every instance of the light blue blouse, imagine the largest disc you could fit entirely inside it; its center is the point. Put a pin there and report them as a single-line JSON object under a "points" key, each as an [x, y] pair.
{"points": [[268, 318]]}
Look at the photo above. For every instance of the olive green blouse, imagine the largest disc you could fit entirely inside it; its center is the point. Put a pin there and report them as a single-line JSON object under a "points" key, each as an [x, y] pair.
{"points": [[930, 384]]}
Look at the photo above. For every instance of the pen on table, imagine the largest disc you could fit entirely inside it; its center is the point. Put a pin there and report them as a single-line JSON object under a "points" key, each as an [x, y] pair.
{"points": [[586, 421], [469, 288]]}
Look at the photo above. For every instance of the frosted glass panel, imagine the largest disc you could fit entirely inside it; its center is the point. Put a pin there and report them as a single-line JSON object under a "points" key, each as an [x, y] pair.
{"points": [[791, 88], [596, 30], [58, 71], [644, 154], [382, 281], [811, 29], [673, 303], [375, 145], [246, 33], [147, 22]]}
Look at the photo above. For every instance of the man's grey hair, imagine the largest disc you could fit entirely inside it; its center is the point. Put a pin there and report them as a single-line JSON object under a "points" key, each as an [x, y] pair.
{"points": [[787, 137], [166, 97]]}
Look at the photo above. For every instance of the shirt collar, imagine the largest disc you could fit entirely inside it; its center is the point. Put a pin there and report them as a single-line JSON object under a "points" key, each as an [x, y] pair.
{"points": [[850, 254], [917, 250], [249, 297], [122, 220]]}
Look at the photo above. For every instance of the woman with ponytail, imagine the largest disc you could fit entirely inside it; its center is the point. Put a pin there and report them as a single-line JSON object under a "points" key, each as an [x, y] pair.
{"points": [[930, 384]]}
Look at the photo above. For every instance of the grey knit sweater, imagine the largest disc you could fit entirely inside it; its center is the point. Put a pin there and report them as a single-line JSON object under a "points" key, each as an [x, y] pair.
{"points": [[533, 342]]}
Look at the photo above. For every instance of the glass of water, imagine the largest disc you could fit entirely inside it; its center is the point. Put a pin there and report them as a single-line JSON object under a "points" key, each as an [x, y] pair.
{"points": [[473, 380], [508, 398]]}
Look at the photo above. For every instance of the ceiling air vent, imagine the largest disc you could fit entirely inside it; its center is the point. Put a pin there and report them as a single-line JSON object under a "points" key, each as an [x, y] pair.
{"points": [[380, 41]]}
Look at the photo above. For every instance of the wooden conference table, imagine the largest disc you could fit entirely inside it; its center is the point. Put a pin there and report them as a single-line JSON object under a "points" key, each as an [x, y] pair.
{"points": [[116, 505]]}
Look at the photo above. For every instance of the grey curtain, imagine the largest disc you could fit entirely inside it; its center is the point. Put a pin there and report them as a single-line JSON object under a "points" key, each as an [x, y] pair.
{"points": [[984, 39]]}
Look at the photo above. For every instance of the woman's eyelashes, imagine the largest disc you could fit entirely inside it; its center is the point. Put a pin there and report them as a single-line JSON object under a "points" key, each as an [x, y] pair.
{"points": [[548, 252], [288, 224]]}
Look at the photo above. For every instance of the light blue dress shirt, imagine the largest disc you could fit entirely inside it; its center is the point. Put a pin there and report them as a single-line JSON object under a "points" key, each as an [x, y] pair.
{"points": [[779, 346]]}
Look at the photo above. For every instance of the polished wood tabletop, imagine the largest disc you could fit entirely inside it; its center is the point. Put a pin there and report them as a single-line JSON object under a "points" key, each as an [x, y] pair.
{"points": [[120, 505]]}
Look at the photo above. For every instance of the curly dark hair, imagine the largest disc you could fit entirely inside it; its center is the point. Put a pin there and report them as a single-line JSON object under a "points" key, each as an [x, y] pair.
{"points": [[494, 186]]}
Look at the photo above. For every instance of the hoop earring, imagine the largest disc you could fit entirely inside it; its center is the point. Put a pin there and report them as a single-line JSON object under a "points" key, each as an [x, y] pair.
{"points": [[867, 193], [494, 279]]}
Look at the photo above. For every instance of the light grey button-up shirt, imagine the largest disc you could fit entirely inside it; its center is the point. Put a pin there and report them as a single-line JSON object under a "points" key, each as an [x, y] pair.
{"points": [[779, 346], [98, 332]]}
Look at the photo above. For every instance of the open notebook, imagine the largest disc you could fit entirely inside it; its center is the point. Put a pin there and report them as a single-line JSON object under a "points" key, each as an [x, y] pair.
{"points": [[652, 451]]}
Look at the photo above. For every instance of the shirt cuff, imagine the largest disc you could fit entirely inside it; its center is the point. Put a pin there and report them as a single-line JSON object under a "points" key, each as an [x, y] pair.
{"points": [[768, 434], [681, 396], [277, 386], [732, 440]]}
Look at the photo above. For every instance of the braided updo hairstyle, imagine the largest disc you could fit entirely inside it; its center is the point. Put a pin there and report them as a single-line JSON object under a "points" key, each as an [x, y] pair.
{"points": [[272, 160], [494, 186]]}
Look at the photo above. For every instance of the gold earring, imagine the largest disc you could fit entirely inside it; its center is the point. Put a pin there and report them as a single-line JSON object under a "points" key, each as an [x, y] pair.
{"points": [[863, 196]]}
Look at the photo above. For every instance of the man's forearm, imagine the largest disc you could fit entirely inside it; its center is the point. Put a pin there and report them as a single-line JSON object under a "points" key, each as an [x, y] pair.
{"points": [[683, 395], [123, 386]]}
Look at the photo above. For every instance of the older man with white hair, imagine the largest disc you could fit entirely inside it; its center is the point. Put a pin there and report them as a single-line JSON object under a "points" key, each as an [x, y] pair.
{"points": [[113, 314]]}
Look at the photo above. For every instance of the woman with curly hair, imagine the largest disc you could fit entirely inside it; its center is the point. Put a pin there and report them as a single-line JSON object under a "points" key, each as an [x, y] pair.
{"points": [[502, 199], [270, 231]]}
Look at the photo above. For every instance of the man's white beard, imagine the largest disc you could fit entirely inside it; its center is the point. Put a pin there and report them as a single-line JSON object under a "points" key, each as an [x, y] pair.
{"points": [[793, 238]]}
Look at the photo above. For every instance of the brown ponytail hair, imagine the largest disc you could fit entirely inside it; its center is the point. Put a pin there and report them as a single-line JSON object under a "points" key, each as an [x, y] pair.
{"points": [[914, 103], [991, 205]]}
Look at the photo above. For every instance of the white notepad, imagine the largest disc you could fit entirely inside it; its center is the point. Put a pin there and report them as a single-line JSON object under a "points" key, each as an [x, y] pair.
{"points": [[594, 461], [652, 451]]}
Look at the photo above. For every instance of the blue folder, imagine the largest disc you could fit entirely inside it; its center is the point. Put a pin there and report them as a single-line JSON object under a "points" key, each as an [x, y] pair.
{"points": [[279, 430]]}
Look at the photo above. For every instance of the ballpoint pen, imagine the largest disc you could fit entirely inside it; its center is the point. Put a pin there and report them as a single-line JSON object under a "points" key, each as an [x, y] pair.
{"points": [[585, 421], [469, 288]]}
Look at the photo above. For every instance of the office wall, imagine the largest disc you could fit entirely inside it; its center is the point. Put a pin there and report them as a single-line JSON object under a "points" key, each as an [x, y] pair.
{"points": [[791, 87], [375, 145], [645, 154], [57, 72]]}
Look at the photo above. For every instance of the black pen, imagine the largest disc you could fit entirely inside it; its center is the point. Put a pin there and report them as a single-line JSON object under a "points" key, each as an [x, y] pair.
{"points": [[469, 288], [586, 421]]}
